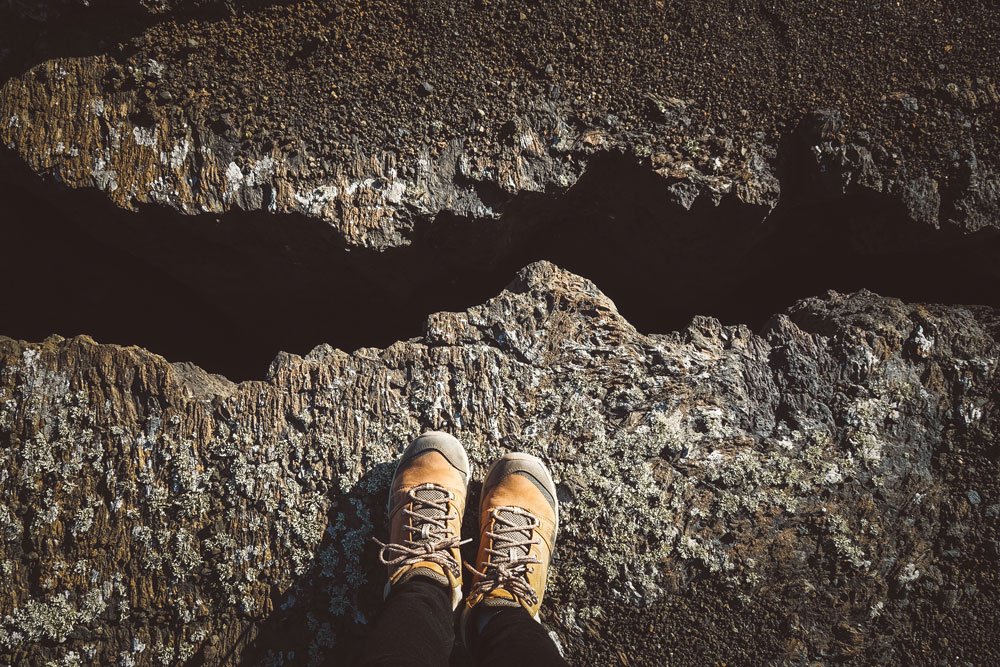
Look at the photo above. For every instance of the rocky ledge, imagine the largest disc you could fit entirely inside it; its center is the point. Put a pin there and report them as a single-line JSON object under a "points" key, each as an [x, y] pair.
{"points": [[823, 490], [376, 117], [395, 159]]}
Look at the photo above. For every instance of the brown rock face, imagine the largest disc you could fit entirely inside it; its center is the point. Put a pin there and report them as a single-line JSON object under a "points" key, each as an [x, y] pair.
{"points": [[824, 490]]}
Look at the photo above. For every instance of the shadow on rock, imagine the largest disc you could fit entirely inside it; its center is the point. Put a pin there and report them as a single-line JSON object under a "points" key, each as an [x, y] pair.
{"points": [[340, 590]]}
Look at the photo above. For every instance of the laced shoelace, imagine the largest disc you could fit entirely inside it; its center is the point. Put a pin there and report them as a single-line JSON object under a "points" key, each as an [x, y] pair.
{"points": [[430, 538], [510, 559]]}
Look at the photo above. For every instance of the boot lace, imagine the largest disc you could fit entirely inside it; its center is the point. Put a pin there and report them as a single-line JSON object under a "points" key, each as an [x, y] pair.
{"points": [[429, 539], [509, 561]]}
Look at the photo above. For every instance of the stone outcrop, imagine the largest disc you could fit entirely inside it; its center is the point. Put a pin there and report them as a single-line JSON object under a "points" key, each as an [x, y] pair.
{"points": [[65, 120], [823, 490], [314, 109]]}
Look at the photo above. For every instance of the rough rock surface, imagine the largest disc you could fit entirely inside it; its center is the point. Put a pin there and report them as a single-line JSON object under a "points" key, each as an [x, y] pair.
{"points": [[824, 490], [374, 116]]}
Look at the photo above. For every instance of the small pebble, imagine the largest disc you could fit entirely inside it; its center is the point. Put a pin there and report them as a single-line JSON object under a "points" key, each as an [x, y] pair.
{"points": [[973, 497]]}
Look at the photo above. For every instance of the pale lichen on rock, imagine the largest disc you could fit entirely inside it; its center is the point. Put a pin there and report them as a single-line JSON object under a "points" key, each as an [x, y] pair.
{"points": [[708, 453]]}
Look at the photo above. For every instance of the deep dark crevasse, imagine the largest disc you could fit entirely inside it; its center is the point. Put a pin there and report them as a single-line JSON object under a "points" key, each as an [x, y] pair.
{"points": [[228, 292]]}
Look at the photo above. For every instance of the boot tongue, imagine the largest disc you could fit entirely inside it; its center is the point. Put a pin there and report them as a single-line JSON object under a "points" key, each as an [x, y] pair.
{"points": [[434, 495], [427, 511], [511, 518]]}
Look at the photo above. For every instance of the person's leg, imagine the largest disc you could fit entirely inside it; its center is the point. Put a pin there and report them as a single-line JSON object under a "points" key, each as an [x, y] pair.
{"points": [[426, 502], [510, 636], [518, 521], [415, 627]]}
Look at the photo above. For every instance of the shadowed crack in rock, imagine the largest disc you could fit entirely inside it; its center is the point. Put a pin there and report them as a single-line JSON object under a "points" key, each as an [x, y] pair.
{"points": [[228, 292], [260, 232], [823, 490]]}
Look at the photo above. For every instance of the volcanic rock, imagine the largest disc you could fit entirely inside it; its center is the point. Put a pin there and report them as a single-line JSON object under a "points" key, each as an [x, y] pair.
{"points": [[794, 495]]}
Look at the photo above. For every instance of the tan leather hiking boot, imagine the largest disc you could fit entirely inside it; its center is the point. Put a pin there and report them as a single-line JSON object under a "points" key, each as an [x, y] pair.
{"points": [[518, 519], [426, 503]]}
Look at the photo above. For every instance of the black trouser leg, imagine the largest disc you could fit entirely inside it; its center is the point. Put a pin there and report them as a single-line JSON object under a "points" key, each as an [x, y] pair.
{"points": [[415, 628], [512, 638]]}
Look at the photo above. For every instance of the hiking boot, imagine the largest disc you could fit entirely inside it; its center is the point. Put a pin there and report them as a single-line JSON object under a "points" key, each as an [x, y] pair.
{"points": [[426, 502], [518, 519]]}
